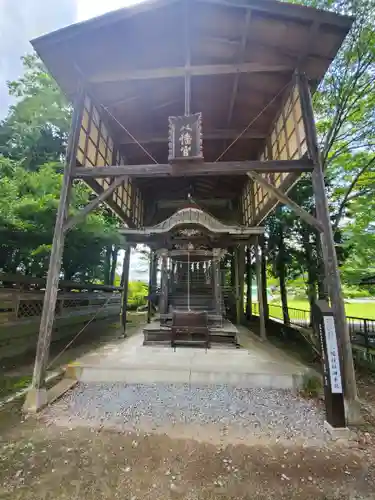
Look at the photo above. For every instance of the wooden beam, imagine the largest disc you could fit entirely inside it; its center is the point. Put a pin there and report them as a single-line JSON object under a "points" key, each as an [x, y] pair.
{"points": [[214, 135], [109, 202], [73, 221], [195, 169], [287, 184], [312, 221], [241, 55], [37, 395], [329, 254], [180, 71], [218, 202]]}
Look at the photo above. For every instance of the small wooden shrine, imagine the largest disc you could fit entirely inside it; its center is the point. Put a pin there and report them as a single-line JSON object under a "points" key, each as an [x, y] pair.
{"points": [[191, 244]]}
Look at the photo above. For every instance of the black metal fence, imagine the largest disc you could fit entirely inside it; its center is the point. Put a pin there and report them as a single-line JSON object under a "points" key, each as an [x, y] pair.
{"points": [[362, 330], [298, 317]]}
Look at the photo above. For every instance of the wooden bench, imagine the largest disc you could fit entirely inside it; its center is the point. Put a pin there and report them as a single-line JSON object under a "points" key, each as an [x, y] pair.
{"points": [[190, 328]]}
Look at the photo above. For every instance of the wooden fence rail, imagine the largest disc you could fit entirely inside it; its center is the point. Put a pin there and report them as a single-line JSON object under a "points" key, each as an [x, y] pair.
{"points": [[21, 303]]}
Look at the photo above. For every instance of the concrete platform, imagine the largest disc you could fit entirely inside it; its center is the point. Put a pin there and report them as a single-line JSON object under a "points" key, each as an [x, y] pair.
{"points": [[129, 361]]}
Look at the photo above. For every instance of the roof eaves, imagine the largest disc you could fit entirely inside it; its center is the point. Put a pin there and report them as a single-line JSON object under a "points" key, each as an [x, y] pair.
{"points": [[98, 22]]}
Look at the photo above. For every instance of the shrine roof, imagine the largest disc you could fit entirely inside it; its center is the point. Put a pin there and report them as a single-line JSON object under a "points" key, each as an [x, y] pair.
{"points": [[240, 54]]}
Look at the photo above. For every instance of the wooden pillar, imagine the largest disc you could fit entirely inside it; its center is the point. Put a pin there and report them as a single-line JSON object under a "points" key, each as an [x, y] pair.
{"points": [[151, 289], [174, 272], [329, 256], [264, 278], [164, 283], [232, 269], [216, 280], [154, 271], [249, 283], [241, 274], [125, 285], [36, 397], [262, 322], [237, 285]]}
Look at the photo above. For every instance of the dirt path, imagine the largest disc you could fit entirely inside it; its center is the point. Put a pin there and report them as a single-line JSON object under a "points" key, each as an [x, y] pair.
{"points": [[68, 461]]}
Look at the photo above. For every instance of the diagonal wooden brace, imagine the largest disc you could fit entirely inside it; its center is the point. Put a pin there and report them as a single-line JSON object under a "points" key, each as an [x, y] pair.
{"points": [[283, 198], [74, 220]]}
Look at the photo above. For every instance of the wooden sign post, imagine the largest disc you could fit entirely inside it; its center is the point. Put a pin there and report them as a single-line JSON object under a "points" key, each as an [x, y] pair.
{"points": [[324, 325]]}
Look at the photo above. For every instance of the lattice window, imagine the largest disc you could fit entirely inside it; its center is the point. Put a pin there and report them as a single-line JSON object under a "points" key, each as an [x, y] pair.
{"points": [[95, 145], [30, 308], [73, 303], [247, 208], [287, 141], [288, 138], [96, 148]]}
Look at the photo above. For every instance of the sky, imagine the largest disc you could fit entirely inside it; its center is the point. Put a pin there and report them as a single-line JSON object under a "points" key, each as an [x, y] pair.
{"points": [[22, 20], [91, 8]]}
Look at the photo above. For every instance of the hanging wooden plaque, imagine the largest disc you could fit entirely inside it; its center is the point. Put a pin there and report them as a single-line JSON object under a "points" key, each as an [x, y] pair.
{"points": [[185, 137]]}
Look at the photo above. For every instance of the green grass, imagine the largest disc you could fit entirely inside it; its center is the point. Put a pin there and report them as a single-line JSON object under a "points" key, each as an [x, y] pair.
{"points": [[358, 309], [10, 384]]}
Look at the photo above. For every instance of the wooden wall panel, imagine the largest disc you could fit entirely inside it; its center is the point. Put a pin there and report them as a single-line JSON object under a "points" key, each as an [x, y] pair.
{"points": [[96, 148]]}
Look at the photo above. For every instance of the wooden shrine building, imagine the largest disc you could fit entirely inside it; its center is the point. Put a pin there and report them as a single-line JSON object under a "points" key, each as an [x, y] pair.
{"points": [[203, 102]]}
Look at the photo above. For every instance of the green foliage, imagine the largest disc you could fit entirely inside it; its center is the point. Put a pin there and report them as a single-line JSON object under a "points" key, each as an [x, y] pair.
{"points": [[137, 292], [344, 104], [36, 128], [32, 145]]}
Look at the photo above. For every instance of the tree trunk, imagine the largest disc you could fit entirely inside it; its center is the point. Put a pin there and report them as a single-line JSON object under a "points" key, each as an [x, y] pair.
{"points": [[282, 279], [312, 277], [264, 277], [113, 264], [107, 265]]}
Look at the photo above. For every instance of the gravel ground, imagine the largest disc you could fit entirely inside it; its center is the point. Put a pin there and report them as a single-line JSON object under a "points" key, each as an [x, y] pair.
{"points": [[267, 412]]}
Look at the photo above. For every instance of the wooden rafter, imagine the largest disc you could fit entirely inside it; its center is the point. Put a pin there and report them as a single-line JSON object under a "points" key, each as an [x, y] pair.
{"points": [[241, 55], [306, 47], [180, 71], [275, 49], [195, 169]]}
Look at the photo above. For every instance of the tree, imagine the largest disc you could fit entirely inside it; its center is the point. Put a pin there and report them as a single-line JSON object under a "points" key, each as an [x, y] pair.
{"points": [[28, 206], [278, 227], [32, 143], [344, 106], [36, 128]]}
